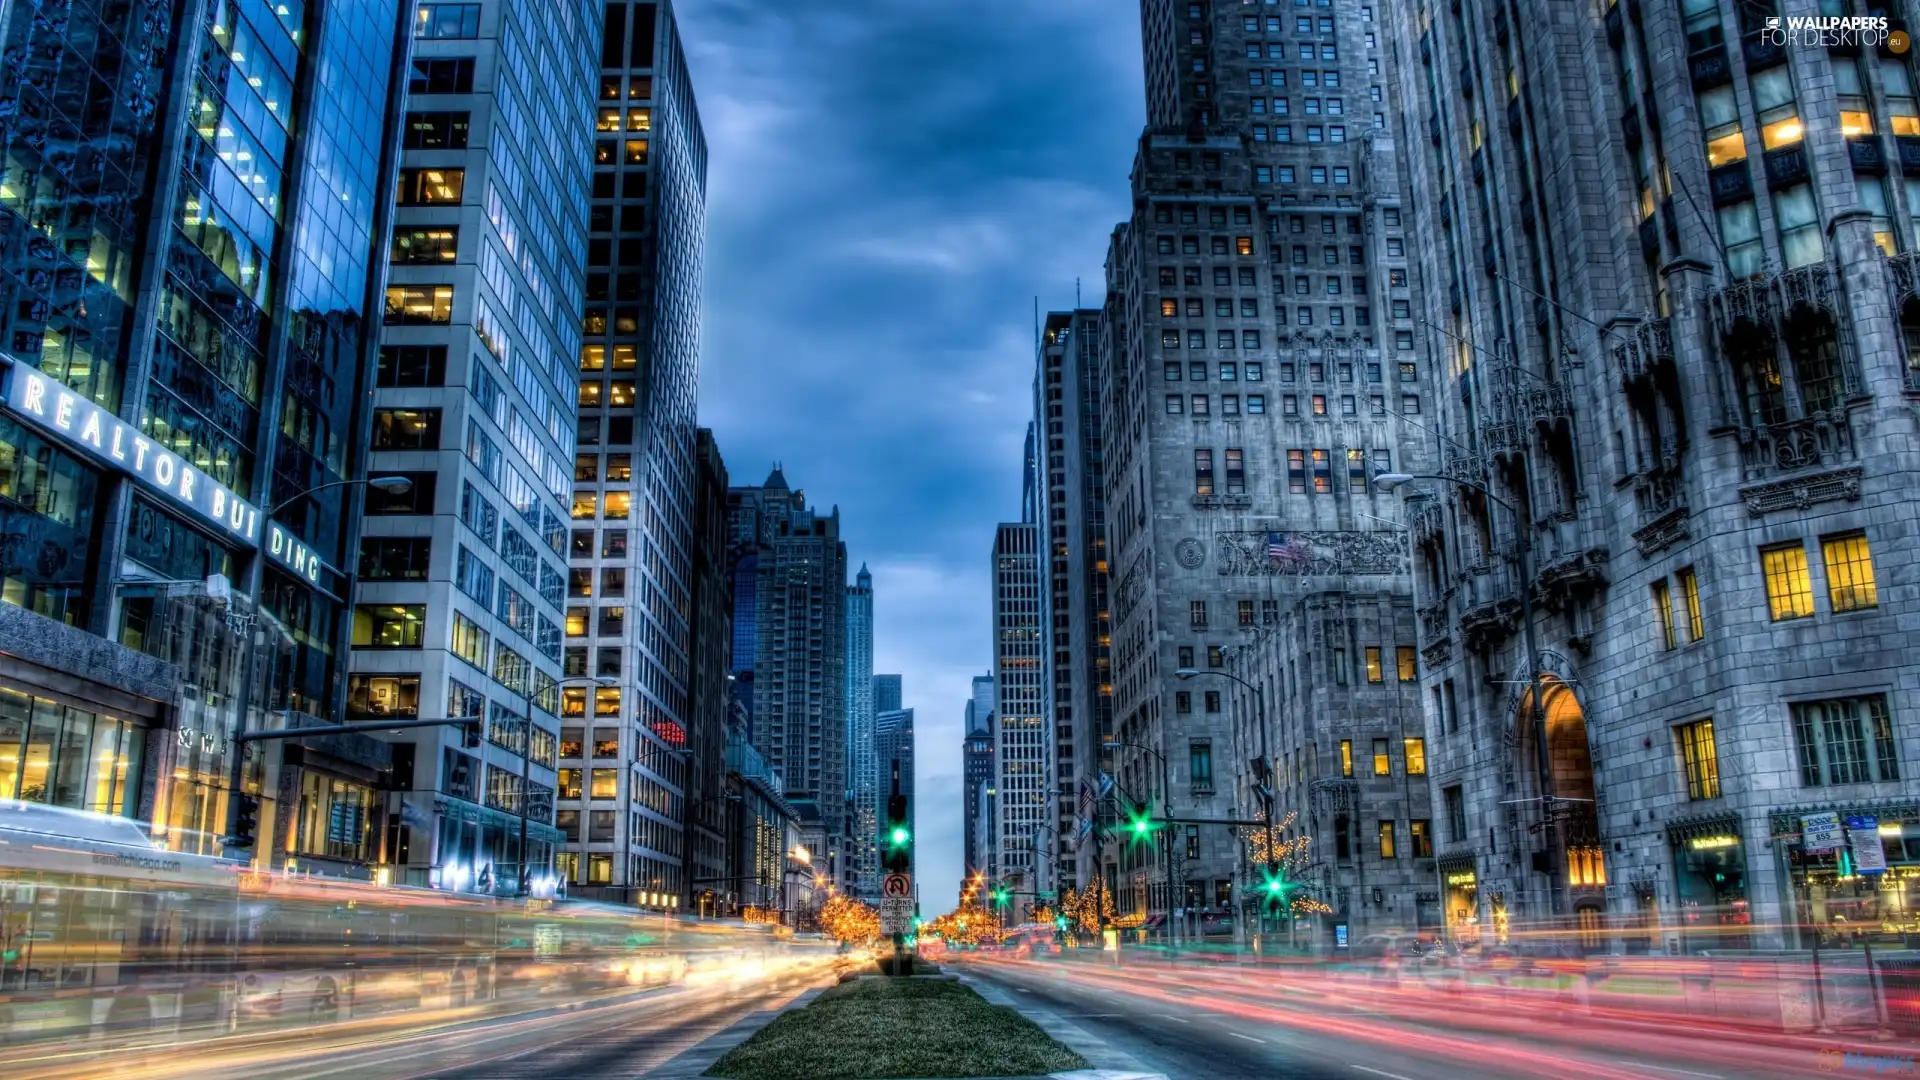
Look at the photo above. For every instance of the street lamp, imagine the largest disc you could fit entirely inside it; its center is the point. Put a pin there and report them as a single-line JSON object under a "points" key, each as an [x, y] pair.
{"points": [[396, 485], [1166, 811], [1260, 718], [1387, 482]]}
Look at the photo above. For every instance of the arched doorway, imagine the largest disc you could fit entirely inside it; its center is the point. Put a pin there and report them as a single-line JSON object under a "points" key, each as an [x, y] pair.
{"points": [[1574, 860]]}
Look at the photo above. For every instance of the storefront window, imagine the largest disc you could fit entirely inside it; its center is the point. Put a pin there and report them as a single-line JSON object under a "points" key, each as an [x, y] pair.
{"points": [[1847, 906], [335, 819], [65, 756], [1462, 905], [1711, 877]]}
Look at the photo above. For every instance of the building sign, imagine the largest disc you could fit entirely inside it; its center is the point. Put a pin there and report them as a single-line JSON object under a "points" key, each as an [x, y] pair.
{"points": [[1820, 832], [1340, 935], [1713, 843], [1869, 854], [80, 423]]}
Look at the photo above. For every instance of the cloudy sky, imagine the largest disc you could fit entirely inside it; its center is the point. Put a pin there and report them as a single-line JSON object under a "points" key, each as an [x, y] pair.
{"points": [[892, 183]]}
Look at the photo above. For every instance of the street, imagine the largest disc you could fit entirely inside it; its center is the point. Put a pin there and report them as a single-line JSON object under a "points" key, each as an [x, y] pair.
{"points": [[605, 1038], [1217, 1022]]}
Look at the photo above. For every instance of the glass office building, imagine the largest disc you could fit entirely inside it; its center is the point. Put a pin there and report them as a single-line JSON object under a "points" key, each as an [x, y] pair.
{"points": [[183, 404]]}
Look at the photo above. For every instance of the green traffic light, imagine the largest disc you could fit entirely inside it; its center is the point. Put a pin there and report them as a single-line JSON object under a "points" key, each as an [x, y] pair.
{"points": [[901, 835], [1275, 887]]}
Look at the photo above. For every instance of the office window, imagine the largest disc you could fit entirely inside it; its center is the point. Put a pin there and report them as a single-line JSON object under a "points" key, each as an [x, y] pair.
{"points": [[1203, 472], [1420, 832], [1200, 765], [1322, 467], [1455, 798], [442, 75], [431, 187], [1183, 701], [412, 365], [444, 21], [1197, 614], [1850, 582], [1403, 657], [1296, 462], [1200, 405], [389, 626], [394, 558], [1382, 759], [406, 429], [1375, 671], [1213, 701], [431, 246], [437, 130], [1175, 404], [1256, 404], [1346, 757], [1416, 751], [1701, 758], [605, 784], [1789, 592], [1845, 741], [419, 305], [1216, 656], [1236, 467], [1387, 849], [1663, 613], [1690, 597]]}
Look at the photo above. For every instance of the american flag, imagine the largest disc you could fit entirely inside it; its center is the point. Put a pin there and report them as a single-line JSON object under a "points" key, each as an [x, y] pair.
{"points": [[1286, 549]]}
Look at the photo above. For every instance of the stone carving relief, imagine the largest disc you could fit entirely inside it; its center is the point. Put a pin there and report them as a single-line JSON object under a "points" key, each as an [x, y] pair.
{"points": [[1244, 554]]}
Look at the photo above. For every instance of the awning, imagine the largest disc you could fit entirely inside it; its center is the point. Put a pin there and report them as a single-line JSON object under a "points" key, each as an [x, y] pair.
{"points": [[1153, 921]]}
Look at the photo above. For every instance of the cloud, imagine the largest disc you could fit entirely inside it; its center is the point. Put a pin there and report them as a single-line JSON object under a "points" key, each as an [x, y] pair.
{"points": [[890, 187]]}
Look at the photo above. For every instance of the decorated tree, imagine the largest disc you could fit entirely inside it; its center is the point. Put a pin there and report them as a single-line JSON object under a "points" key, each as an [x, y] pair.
{"points": [[968, 925], [849, 920], [1281, 860], [1087, 910]]}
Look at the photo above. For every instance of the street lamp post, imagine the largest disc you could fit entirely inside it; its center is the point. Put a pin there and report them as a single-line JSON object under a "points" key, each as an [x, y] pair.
{"points": [[1260, 718], [1524, 555], [1166, 810]]}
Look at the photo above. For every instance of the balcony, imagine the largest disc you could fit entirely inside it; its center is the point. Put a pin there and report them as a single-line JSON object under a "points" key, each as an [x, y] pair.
{"points": [[1569, 566], [1434, 624], [1458, 465], [1821, 441], [1866, 154], [1491, 607], [1427, 522], [1545, 403], [1730, 183], [1909, 152], [1657, 492], [1649, 346], [1709, 67], [1786, 166]]}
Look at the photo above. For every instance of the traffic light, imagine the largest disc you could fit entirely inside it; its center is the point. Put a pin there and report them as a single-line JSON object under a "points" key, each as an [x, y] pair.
{"points": [[898, 858], [1140, 822], [1001, 895], [1276, 887], [246, 821], [470, 735]]}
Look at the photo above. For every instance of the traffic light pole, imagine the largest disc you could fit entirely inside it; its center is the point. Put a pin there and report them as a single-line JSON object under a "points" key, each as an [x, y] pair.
{"points": [[242, 738]]}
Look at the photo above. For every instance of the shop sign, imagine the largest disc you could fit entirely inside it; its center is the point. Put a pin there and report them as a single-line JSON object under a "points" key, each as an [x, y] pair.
{"points": [[1464, 877], [1821, 832], [1713, 843], [79, 423], [1869, 855]]}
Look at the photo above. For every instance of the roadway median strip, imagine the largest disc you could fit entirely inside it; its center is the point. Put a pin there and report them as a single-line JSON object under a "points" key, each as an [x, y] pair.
{"points": [[875, 1028]]}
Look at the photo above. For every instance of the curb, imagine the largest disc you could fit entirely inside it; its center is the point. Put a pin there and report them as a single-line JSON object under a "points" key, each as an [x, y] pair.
{"points": [[1106, 1062], [695, 1061]]}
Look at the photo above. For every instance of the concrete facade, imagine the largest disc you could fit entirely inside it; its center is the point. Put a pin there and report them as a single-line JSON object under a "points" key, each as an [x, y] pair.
{"points": [[1023, 739], [863, 772]]}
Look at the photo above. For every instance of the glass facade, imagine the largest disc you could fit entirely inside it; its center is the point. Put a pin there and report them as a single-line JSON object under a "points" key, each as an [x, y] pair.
{"points": [[66, 756]]}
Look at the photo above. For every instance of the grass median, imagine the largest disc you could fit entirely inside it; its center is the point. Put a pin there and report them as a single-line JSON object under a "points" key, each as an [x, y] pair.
{"points": [[897, 1028]]}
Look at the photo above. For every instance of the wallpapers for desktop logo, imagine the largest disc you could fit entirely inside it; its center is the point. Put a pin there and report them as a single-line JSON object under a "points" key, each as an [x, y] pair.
{"points": [[1837, 1060], [1834, 31]]}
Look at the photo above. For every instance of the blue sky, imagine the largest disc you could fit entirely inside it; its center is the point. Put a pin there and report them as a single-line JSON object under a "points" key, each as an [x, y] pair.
{"points": [[892, 183]]}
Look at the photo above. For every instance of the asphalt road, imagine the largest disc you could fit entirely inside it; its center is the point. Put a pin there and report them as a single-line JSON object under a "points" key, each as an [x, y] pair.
{"points": [[609, 1038], [1215, 1022]]}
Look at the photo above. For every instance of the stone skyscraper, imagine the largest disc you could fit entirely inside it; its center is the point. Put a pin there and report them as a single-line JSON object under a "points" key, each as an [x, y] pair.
{"points": [[1670, 256], [1258, 369], [1072, 518], [710, 704], [795, 602], [1023, 737], [977, 774], [864, 782]]}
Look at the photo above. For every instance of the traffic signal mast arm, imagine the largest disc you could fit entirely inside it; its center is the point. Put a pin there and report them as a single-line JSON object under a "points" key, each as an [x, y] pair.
{"points": [[342, 729]]}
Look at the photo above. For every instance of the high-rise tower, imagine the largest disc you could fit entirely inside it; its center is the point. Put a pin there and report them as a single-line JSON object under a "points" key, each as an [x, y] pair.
{"points": [[863, 778]]}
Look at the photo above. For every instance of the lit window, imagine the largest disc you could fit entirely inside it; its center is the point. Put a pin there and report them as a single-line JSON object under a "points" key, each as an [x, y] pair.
{"points": [[1416, 757], [1382, 761], [1690, 596], [1387, 850], [1789, 593], [1346, 757], [1663, 613], [1408, 671], [606, 784], [1701, 758], [1375, 672], [1850, 584]]}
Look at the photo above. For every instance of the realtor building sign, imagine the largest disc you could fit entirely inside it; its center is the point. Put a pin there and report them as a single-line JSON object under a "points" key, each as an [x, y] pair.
{"points": [[58, 411]]}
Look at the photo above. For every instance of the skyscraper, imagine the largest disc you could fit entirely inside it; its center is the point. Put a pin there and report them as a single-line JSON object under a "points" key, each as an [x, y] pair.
{"points": [[862, 769], [1023, 744], [459, 610], [1673, 277], [977, 775], [195, 219], [1258, 370], [1072, 519], [631, 557], [796, 604]]}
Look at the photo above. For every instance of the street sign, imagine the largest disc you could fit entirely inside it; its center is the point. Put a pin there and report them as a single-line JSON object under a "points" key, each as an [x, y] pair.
{"points": [[1820, 832], [896, 914], [1869, 854], [896, 885]]}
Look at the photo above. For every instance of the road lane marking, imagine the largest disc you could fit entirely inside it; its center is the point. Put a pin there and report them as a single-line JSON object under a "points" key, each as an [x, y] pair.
{"points": [[1380, 1072], [1249, 1038], [1175, 1019], [1667, 1068]]}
